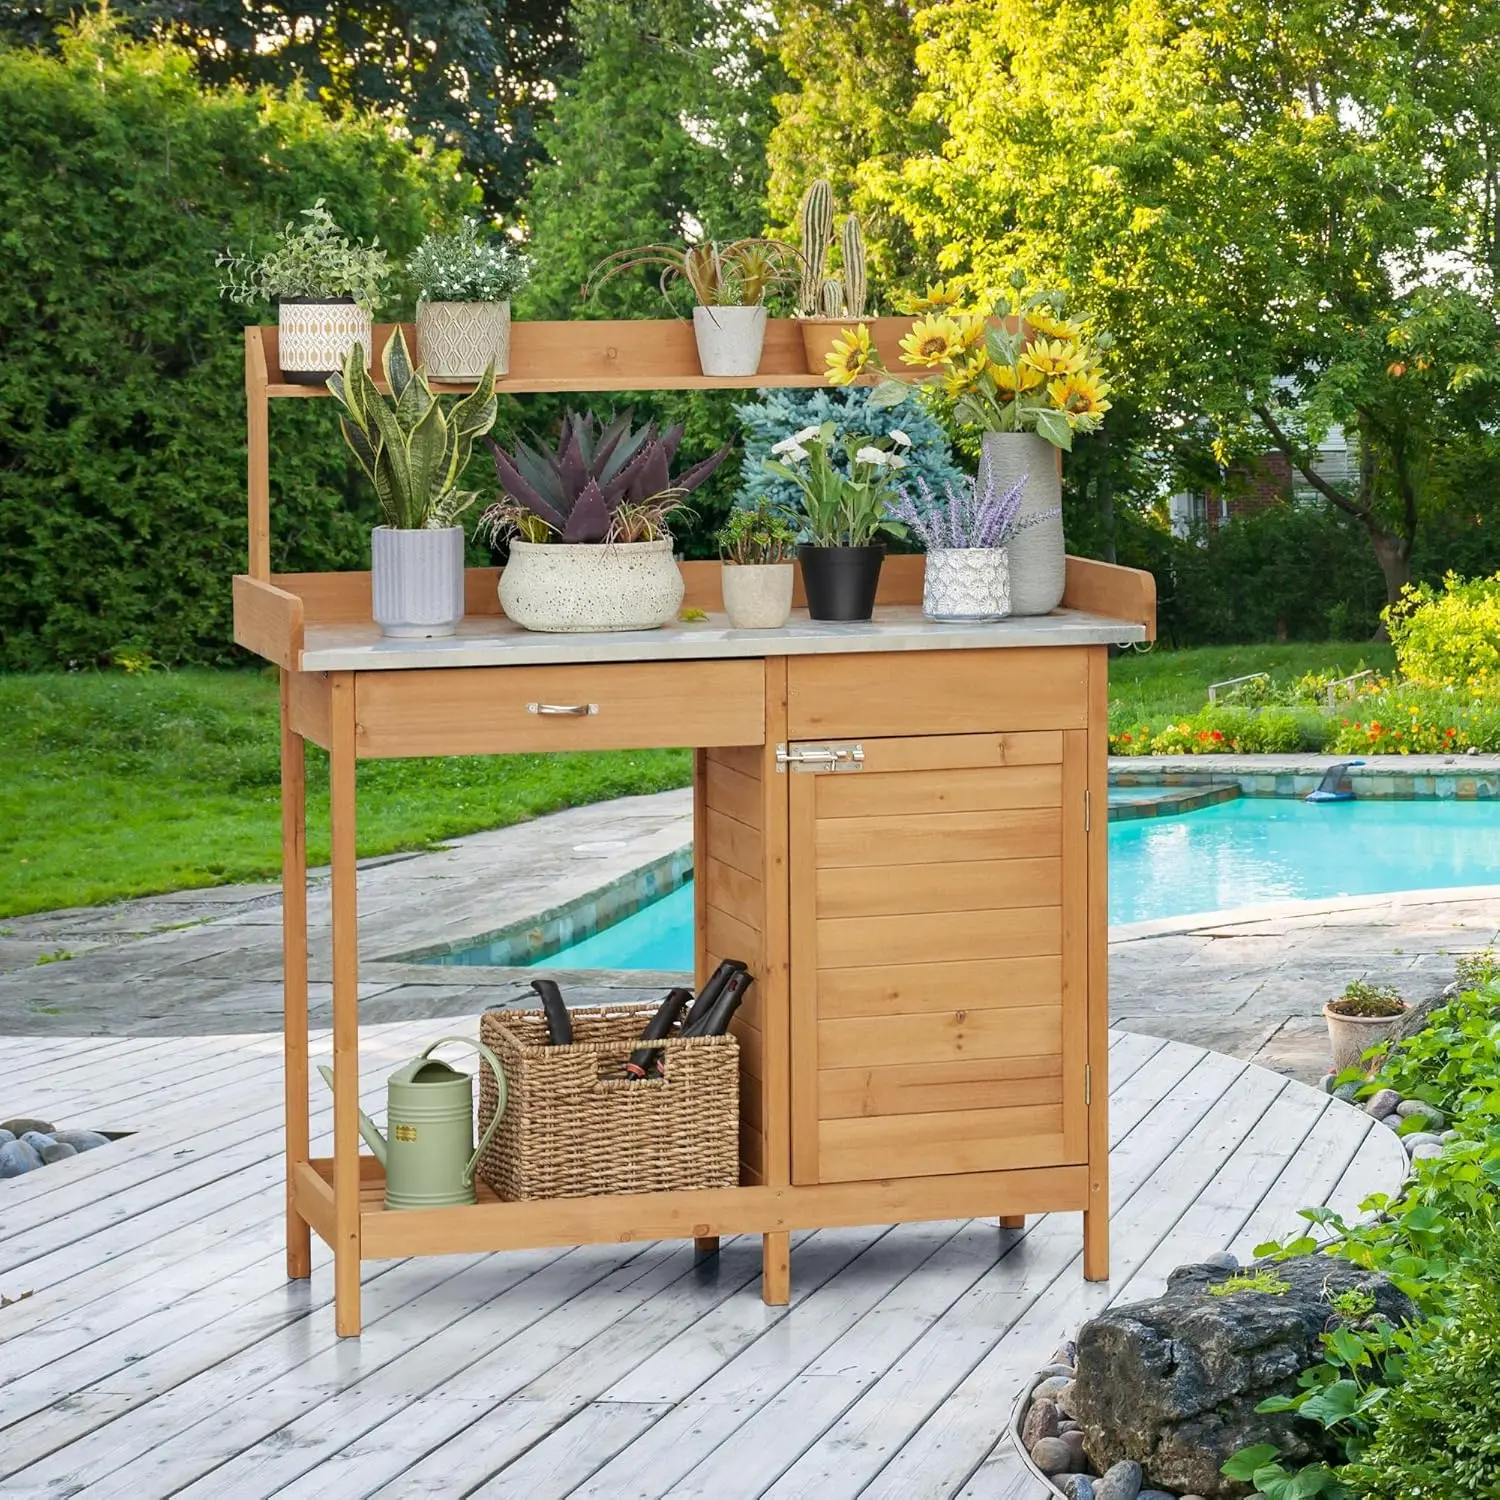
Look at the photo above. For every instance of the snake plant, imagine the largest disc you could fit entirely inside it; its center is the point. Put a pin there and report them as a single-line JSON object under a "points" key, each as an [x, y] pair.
{"points": [[411, 449]]}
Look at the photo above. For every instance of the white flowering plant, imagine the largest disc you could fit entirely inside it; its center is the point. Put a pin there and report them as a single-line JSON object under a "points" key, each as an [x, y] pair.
{"points": [[843, 509], [462, 267]]}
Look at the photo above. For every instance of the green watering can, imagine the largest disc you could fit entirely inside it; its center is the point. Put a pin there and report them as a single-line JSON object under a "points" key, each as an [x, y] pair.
{"points": [[430, 1157]]}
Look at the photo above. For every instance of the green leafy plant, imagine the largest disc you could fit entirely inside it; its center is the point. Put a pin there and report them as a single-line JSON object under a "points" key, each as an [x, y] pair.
{"points": [[1361, 998], [739, 274], [604, 483], [463, 267], [412, 450], [1263, 1280], [1448, 638], [315, 260], [845, 506], [757, 535], [1472, 971]]}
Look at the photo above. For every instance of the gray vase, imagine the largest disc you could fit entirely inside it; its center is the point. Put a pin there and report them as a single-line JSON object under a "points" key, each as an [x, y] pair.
{"points": [[1038, 555], [417, 581]]}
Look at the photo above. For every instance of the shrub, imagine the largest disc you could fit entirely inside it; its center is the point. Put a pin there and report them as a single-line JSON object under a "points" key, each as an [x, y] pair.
{"points": [[1449, 639], [1403, 719], [1223, 729]]}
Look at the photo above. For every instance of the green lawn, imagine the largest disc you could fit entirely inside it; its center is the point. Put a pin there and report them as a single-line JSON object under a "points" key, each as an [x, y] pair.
{"points": [[115, 786]]}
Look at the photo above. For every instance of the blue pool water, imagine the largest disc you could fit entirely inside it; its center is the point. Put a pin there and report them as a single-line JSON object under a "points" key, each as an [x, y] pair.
{"points": [[1240, 853]]}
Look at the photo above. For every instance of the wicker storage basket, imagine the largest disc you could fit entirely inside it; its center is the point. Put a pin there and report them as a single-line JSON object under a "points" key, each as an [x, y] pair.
{"points": [[575, 1126]]}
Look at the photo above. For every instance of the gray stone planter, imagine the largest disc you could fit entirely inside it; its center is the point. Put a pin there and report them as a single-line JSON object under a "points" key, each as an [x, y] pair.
{"points": [[1350, 1037], [729, 339], [757, 596], [417, 581], [1038, 555]]}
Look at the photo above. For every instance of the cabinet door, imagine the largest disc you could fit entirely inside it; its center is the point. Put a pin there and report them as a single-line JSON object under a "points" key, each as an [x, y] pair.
{"points": [[939, 957]]}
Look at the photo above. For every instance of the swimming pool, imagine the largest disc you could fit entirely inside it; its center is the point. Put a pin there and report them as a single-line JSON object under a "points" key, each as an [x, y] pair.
{"points": [[1240, 853]]}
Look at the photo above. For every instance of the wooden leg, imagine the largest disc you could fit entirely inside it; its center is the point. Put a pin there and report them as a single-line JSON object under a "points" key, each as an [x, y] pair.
{"points": [[1096, 1242], [706, 1244], [294, 974], [1013, 1221], [776, 1269], [345, 1010]]}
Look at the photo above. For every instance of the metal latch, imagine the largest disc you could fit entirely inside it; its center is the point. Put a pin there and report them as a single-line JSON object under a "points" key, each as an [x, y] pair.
{"points": [[821, 757]]}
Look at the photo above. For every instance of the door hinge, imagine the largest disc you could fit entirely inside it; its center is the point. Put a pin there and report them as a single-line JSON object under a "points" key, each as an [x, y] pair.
{"points": [[820, 757], [1088, 1084], [1088, 810]]}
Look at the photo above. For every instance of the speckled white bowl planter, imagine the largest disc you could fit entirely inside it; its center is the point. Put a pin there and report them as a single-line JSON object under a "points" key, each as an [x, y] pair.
{"points": [[729, 339], [572, 589], [757, 596]]}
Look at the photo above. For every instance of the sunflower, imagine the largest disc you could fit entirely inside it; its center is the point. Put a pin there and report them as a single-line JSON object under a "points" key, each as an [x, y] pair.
{"points": [[932, 342], [939, 297], [972, 328], [963, 374], [1052, 324], [1080, 393], [852, 354], [1005, 378], [1053, 357]]}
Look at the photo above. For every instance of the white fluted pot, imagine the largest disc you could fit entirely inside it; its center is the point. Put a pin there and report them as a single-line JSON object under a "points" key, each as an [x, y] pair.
{"points": [[757, 596], [417, 581], [572, 588], [457, 340], [729, 339], [966, 583], [1038, 555], [314, 336]]}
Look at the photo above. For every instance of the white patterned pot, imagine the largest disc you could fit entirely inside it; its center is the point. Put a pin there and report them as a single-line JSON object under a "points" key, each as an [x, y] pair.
{"points": [[967, 583], [456, 340], [314, 336], [729, 339], [570, 588], [417, 581], [1038, 555], [757, 596]]}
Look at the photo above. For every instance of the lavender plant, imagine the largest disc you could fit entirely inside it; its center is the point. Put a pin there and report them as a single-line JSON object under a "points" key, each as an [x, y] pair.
{"points": [[965, 516]]}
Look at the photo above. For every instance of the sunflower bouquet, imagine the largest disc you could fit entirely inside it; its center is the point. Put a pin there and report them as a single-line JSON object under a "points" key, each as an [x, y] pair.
{"points": [[1015, 363]]}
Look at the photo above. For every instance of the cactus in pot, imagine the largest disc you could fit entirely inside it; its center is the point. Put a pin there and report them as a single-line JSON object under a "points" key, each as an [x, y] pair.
{"points": [[828, 302]]}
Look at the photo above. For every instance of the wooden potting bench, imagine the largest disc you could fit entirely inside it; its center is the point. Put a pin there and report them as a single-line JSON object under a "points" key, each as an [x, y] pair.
{"points": [[900, 826]]}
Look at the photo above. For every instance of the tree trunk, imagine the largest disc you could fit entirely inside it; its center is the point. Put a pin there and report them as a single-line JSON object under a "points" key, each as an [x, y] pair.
{"points": [[1393, 553]]}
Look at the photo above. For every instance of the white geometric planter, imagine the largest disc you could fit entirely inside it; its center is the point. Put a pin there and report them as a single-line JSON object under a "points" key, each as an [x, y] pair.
{"points": [[967, 583], [572, 588], [729, 339], [456, 340], [417, 581], [314, 337], [1038, 555], [757, 596]]}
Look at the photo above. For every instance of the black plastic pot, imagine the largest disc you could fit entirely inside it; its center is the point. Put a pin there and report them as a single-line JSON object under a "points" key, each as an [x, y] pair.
{"points": [[840, 581]]}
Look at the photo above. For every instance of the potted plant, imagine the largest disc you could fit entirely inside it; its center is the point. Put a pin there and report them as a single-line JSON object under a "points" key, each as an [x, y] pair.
{"points": [[588, 525], [757, 574], [966, 534], [845, 509], [325, 286], [1028, 377], [825, 303], [1364, 1016], [729, 285], [413, 452], [464, 286]]}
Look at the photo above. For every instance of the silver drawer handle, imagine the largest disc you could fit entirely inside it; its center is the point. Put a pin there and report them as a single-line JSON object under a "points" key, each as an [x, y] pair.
{"points": [[568, 710]]}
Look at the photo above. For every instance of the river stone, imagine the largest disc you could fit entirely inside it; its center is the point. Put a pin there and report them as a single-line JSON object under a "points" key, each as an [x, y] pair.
{"points": [[1391, 1122], [1420, 1109], [57, 1151], [1041, 1422], [1065, 1353], [6, 1137], [1075, 1486], [1121, 1481], [36, 1140], [1450, 1135], [1421, 1138], [1173, 1383], [1064, 1398], [1068, 1425], [1426, 1151], [80, 1140], [1155, 1495], [21, 1124], [1047, 1389], [1058, 1367], [17, 1157], [1349, 1092], [1052, 1456], [1074, 1440], [1383, 1102], [1223, 1260]]}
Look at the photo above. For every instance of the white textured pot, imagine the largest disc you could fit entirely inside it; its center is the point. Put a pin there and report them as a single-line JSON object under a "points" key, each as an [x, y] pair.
{"points": [[456, 340], [417, 581], [757, 596], [967, 583], [1350, 1037], [314, 336], [565, 588], [1038, 555], [729, 339]]}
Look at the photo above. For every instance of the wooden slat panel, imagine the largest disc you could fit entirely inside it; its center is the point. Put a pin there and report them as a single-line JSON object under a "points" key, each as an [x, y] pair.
{"points": [[731, 937], [1075, 942], [895, 890], [733, 793], [938, 692], [310, 706], [806, 982], [742, 758], [773, 979], [1023, 932], [980, 1140], [885, 1041], [734, 891], [862, 794], [895, 989], [920, 1088], [479, 711], [1103, 589], [1041, 747], [268, 621], [733, 843], [752, 1048], [939, 838]]}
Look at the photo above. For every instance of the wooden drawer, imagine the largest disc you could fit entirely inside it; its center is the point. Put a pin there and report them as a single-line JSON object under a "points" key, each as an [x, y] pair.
{"points": [[498, 710], [938, 692]]}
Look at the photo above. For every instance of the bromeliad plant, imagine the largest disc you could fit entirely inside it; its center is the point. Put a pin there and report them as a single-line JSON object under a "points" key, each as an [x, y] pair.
{"points": [[412, 450], [315, 262], [739, 274], [609, 484], [463, 267], [967, 516], [842, 509]]}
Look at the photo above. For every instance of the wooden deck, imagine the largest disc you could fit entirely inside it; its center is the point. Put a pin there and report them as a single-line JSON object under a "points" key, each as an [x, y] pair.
{"points": [[162, 1351]]}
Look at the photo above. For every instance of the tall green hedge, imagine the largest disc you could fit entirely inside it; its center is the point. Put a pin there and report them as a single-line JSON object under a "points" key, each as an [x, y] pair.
{"points": [[122, 429]]}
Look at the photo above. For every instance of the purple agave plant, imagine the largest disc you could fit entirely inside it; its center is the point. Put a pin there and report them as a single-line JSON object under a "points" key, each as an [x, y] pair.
{"points": [[965, 517]]}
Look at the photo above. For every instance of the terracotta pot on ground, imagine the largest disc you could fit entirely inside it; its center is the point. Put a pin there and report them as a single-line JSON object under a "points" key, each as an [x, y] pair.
{"points": [[1351, 1037]]}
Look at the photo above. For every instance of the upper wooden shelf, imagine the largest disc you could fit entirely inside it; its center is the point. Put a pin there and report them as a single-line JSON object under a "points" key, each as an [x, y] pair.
{"points": [[656, 354]]}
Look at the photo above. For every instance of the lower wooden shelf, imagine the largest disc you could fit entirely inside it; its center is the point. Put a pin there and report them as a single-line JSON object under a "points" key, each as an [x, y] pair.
{"points": [[492, 1224]]}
